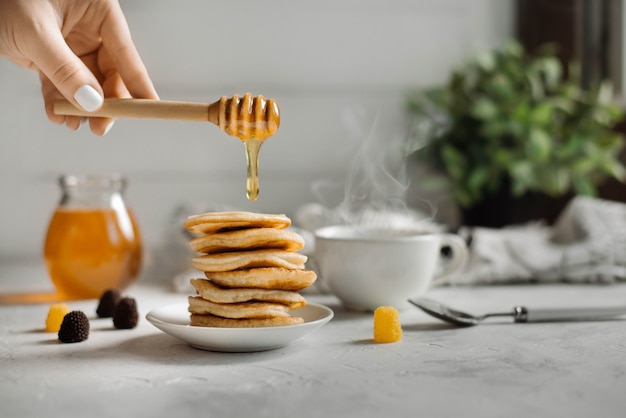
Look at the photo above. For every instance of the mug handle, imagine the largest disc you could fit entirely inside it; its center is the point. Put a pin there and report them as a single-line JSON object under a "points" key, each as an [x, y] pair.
{"points": [[460, 257]]}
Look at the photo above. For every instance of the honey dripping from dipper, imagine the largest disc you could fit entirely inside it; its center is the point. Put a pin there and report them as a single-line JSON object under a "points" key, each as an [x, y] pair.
{"points": [[253, 120]]}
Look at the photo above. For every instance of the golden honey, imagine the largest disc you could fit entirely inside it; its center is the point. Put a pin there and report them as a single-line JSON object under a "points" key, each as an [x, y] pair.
{"points": [[92, 247], [253, 120], [252, 146], [249, 117]]}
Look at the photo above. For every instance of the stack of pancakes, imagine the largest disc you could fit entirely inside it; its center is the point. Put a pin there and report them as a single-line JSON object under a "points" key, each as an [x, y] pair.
{"points": [[253, 270]]}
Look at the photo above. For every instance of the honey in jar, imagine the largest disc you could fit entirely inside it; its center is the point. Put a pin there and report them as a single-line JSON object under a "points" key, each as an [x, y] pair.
{"points": [[93, 241]]}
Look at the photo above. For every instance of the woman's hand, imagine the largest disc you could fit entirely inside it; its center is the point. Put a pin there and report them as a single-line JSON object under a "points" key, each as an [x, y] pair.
{"points": [[82, 50]]}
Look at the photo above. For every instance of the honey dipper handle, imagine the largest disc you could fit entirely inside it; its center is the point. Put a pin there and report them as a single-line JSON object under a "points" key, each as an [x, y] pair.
{"points": [[141, 108]]}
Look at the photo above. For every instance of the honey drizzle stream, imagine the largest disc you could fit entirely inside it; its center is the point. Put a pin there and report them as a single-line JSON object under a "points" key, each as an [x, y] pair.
{"points": [[252, 120], [252, 145]]}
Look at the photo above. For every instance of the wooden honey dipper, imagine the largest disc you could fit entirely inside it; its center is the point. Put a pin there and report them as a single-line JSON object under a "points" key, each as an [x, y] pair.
{"points": [[244, 117], [251, 119]]}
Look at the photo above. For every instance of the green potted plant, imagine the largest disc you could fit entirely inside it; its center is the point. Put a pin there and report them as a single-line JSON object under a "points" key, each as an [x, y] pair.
{"points": [[512, 126]]}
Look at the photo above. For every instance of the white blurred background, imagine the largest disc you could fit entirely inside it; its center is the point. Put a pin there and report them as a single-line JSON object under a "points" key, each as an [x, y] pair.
{"points": [[333, 66]]}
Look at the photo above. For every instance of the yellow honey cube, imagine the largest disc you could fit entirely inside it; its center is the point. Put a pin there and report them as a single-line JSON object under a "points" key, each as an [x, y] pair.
{"points": [[55, 316], [387, 328]]}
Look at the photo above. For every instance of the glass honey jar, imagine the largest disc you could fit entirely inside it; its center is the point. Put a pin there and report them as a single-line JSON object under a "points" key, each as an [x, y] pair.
{"points": [[93, 241]]}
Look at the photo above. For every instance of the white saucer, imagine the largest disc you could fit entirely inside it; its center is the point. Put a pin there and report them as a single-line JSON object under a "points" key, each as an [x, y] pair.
{"points": [[174, 320]]}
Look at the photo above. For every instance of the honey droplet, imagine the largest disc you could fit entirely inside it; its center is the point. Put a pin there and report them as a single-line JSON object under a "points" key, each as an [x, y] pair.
{"points": [[252, 145]]}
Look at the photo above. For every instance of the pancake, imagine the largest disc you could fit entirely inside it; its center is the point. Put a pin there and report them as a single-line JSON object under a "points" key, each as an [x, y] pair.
{"points": [[246, 239], [217, 294], [211, 222], [249, 259], [264, 278], [197, 305], [219, 322]]}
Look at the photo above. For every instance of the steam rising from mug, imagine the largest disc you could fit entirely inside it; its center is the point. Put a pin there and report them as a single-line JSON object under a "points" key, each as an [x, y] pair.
{"points": [[376, 184]]}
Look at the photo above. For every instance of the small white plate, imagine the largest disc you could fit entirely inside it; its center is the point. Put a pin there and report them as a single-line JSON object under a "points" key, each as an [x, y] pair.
{"points": [[174, 320]]}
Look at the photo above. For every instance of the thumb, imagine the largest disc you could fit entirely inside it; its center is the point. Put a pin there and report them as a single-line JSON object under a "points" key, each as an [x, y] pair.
{"points": [[67, 72]]}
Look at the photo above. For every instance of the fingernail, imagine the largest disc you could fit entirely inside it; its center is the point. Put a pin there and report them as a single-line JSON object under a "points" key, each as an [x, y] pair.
{"points": [[88, 98], [108, 128]]}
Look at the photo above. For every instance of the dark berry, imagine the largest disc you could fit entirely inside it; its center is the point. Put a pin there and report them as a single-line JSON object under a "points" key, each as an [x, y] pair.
{"points": [[125, 315], [108, 302], [74, 328]]}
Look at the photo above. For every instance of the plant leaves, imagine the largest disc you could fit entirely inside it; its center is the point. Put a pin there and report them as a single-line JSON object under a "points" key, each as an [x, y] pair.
{"points": [[537, 91], [570, 147], [513, 48], [541, 114], [562, 180], [539, 144], [551, 69], [518, 187], [484, 108], [583, 165], [562, 103], [485, 61], [477, 179], [454, 161], [605, 93], [511, 115], [522, 175], [615, 169], [584, 186]]}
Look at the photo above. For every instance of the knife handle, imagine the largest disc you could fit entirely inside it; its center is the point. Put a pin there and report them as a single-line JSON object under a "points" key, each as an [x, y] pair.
{"points": [[523, 314]]}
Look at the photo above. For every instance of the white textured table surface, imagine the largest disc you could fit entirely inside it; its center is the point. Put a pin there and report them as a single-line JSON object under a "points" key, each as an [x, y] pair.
{"points": [[493, 370]]}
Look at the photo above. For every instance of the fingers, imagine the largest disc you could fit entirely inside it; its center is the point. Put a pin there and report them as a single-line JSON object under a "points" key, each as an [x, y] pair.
{"points": [[66, 71], [113, 86], [50, 94], [98, 63], [117, 41], [64, 74]]}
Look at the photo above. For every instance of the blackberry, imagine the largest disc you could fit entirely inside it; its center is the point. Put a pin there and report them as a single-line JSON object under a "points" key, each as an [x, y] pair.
{"points": [[74, 328], [125, 315], [108, 302]]}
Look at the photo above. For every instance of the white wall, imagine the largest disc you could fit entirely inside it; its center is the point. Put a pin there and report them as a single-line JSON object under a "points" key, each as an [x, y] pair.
{"points": [[331, 65]]}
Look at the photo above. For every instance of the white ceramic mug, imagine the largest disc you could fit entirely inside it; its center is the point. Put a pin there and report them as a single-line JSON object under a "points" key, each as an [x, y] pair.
{"points": [[371, 267]]}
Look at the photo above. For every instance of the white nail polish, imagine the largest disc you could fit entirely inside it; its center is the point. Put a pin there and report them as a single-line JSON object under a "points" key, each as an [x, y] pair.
{"points": [[108, 128], [88, 98]]}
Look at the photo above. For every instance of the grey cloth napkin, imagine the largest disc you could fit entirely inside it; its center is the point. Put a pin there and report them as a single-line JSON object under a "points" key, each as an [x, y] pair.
{"points": [[587, 244]]}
